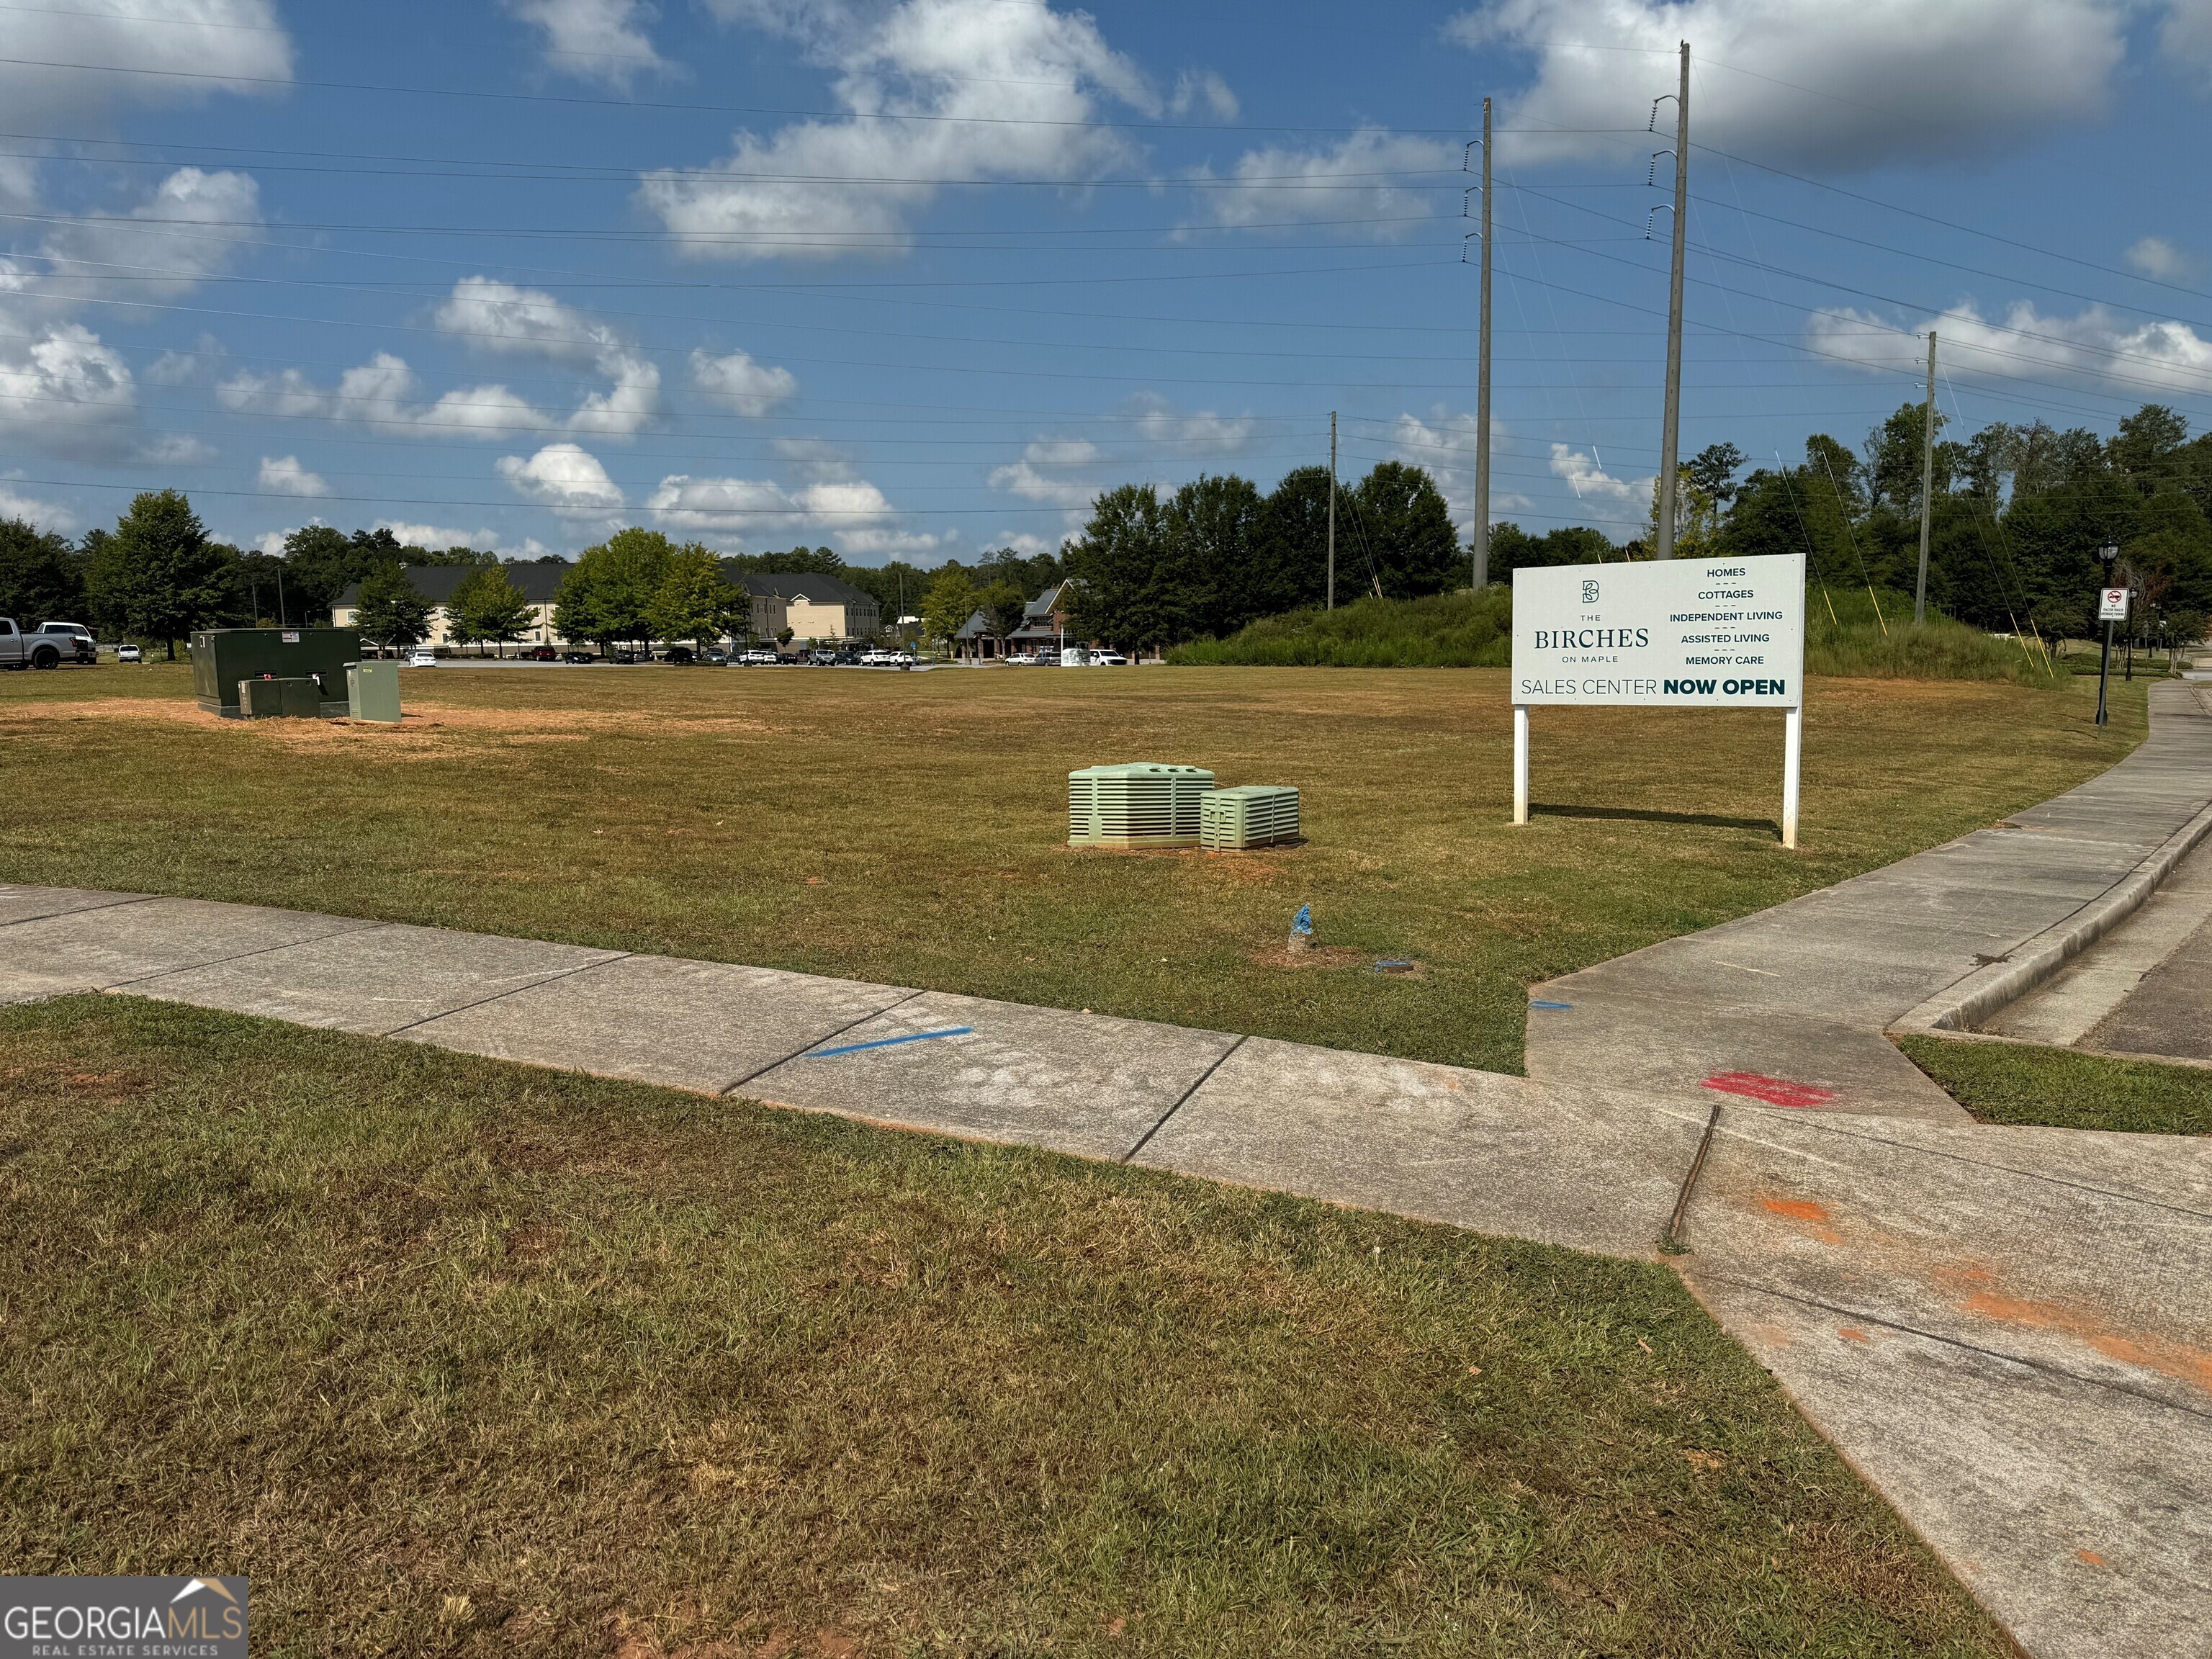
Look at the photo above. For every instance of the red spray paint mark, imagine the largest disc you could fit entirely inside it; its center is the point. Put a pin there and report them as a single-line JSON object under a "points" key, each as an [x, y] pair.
{"points": [[1773, 1091]]}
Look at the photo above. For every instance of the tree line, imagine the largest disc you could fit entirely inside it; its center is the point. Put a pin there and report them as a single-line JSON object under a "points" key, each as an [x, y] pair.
{"points": [[2018, 514]]}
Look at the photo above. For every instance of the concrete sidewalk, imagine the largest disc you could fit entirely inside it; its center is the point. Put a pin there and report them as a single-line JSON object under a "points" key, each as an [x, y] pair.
{"points": [[1793, 1003], [2009, 1331]]}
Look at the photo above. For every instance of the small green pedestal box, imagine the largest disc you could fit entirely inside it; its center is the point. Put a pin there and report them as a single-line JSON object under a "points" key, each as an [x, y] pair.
{"points": [[373, 691]]}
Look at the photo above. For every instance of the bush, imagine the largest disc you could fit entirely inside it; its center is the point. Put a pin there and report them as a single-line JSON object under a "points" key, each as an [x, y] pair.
{"points": [[1444, 630], [1466, 629]]}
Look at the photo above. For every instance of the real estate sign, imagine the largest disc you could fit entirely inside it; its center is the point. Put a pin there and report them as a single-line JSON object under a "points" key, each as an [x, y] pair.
{"points": [[1684, 633]]}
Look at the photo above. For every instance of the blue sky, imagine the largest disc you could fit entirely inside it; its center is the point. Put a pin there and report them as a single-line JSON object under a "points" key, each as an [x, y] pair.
{"points": [[917, 277]]}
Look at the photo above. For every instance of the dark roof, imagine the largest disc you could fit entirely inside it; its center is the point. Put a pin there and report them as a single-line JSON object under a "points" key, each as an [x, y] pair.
{"points": [[803, 584], [1042, 606], [436, 583], [975, 628]]}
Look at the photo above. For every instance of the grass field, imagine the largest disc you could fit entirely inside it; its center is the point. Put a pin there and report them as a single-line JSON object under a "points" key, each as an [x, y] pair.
{"points": [[909, 828], [522, 1362], [2065, 1088]]}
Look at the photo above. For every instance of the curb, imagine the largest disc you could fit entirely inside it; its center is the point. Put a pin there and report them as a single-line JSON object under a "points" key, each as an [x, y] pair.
{"points": [[1965, 1002]]}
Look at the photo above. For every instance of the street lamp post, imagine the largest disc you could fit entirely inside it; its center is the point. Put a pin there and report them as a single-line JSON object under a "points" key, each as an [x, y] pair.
{"points": [[2108, 553]]}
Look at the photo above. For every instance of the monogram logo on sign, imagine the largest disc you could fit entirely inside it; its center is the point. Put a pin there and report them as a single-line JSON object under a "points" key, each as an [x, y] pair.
{"points": [[1589, 592]]}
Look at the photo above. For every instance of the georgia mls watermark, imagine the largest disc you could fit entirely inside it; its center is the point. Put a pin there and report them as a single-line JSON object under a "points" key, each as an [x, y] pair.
{"points": [[122, 1619]]}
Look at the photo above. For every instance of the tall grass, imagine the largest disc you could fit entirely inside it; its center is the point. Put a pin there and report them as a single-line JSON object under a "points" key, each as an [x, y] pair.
{"points": [[1843, 636], [1445, 631]]}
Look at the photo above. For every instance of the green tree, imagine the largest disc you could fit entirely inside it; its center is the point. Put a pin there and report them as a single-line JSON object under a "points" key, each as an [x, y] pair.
{"points": [[1713, 470], [948, 605], [1002, 603], [159, 576], [320, 562], [1290, 542], [1211, 523], [391, 612], [1408, 531], [42, 575], [694, 599], [488, 605], [1129, 594], [609, 594]]}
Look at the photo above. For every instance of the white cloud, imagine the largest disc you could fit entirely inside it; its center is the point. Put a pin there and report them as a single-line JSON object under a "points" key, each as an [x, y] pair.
{"points": [[737, 382], [1032, 79], [2092, 348], [1585, 474], [483, 538], [565, 478], [67, 393], [2155, 256], [153, 250], [593, 40], [44, 515], [498, 316], [1351, 180], [1197, 89], [283, 475], [1047, 472], [1444, 446], [227, 45], [2186, 38], [852, 511], [1824, 87], [383, 394], [1201, 432]]}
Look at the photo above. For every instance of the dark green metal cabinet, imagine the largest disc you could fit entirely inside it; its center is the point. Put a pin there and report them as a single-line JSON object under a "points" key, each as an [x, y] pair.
{"points": [[221, 657]]}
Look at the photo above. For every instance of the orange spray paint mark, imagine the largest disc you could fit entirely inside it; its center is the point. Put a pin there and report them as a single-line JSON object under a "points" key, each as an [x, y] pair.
{"points": [[2166, 1357], [2092, 1558], [1850, 1333], [1817, 1219]]}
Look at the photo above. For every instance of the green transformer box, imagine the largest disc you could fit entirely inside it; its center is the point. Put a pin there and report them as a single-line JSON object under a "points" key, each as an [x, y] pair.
{"points": [[221, 657]]}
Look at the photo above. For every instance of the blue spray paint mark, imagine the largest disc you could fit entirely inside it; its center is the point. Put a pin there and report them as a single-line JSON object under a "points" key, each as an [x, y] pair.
{"points": [[889, 1043], [1536, 1003]]}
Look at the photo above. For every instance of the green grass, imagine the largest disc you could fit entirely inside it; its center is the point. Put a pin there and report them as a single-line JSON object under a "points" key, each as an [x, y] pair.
{"points": [[910, 829], [1843, 635], [459, 1358], [1447, 630], [2065, 1088]]}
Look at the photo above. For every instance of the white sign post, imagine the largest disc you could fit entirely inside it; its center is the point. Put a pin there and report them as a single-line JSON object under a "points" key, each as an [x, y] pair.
{"points": [[1671, 634], [2112, 604]]}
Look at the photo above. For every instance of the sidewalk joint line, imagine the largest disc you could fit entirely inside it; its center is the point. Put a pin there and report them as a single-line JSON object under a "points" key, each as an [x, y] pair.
{"points": [[83, 910], [887, 1043], [241, 955], [2044, 1366], [1146, 1138], [511, 990], [799, 1053]]}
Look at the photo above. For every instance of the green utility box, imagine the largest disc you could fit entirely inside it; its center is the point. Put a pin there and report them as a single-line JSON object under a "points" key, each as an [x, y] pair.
{"points": [[1250, 815], [1144, 804], [373, 690], [265, 698], [221, 657]]}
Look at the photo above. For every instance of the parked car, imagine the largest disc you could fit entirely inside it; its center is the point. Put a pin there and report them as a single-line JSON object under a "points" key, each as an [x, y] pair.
{"points": [[714, 657], [422, 656], [540, 653], [679, 653], [75, 639], [624, 656], [758, 659], [1108, 659], [20, 650], [578, 656], [128, 654]]}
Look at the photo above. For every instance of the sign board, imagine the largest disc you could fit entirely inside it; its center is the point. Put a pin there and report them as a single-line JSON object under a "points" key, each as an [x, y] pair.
{"points": [[2112, 604], [1680, 633]]}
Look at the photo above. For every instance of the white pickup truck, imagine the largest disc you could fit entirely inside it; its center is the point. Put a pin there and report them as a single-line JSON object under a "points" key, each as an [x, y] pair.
{"points": [[21, 649]]}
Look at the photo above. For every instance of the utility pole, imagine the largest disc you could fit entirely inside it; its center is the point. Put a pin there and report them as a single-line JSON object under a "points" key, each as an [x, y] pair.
{"points": [[1670, 438], [1927, 485], [1482, 383], [1332, 510]]}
